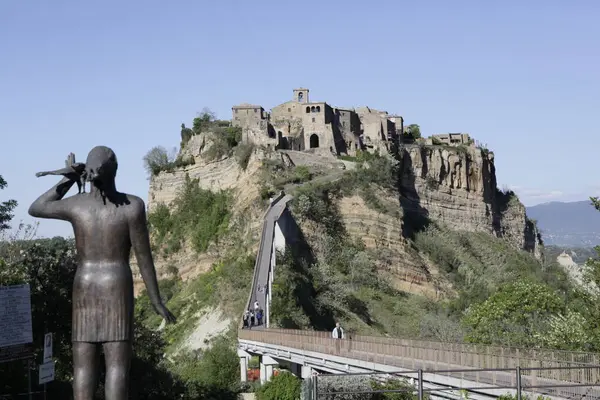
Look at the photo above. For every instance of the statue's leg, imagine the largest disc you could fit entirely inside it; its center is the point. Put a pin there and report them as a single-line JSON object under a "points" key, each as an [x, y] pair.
{"points": [[85, 370], [118, 359]]}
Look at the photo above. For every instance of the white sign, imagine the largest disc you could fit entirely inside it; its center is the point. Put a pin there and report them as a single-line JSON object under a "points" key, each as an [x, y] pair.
{"points": [[15, 315], [46, 372], [47, 347]]}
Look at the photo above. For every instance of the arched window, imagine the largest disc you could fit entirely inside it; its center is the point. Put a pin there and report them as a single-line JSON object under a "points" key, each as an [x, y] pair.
{"points": [[312, 109], [300, 96], [318, 108], [307, 109], [314, 141]]}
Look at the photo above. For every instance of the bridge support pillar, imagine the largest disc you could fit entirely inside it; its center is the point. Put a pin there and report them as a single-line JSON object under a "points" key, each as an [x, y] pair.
{"points": [[266, 368], [244, 357], [263, 373], [244, 369], [306, 372]]}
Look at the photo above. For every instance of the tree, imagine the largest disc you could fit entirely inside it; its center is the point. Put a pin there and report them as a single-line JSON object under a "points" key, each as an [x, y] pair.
{"points": [[6, 208], [516, 315], [414, 130], [186, 135], [48, 265], [204, 120], [158, 159]]}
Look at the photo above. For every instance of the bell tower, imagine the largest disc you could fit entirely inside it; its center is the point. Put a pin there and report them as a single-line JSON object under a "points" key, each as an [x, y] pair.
{"points": [[301, 95]]}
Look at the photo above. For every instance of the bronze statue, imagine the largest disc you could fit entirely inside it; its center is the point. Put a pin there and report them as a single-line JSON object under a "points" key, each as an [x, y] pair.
{"points": [[107, 224]]}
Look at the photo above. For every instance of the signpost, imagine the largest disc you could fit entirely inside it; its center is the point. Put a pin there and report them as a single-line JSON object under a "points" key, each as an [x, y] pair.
{"points": [[47, 348], [46, 373], [16, 335]]}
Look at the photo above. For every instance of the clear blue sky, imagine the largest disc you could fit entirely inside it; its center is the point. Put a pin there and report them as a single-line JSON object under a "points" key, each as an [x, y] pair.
{"points": [[521, 76]]}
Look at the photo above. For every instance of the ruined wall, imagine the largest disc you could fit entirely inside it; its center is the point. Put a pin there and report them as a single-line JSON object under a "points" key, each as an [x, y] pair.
{"points": [[374, 126]]}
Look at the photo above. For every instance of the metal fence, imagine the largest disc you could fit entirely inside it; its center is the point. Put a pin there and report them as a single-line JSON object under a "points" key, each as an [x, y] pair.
{"points": [[423, 384], [489, 365]]}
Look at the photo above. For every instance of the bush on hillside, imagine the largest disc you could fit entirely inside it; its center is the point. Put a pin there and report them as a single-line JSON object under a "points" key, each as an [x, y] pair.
{"points": [[216, 367], [225, 139], [283, 386]]}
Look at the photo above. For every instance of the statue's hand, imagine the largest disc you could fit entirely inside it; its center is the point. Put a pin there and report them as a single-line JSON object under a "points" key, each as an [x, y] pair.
{"points": [[38, 174], [70, 160], [164, 312]]}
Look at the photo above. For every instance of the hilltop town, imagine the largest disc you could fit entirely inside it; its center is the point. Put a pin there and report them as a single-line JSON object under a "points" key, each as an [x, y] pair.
{"points": [[304, 125]]}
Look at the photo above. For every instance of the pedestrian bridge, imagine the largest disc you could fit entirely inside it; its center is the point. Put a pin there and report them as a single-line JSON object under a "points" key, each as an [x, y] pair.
{"points": [[446, 370]]}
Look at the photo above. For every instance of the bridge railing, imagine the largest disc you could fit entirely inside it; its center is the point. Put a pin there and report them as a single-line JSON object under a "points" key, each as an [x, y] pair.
{"points": [[428, 355]]}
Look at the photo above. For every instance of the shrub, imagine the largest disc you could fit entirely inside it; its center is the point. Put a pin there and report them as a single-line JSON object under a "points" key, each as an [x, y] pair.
{"points": [[186, 135], [216, 367], [407, 392], [414, 131], [224, 140], [329, 387], [283, 386]]}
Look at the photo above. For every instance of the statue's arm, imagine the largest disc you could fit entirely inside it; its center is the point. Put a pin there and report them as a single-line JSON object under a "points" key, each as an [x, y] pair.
{"points": [[50, 204], [140, 241], [62, 171]]}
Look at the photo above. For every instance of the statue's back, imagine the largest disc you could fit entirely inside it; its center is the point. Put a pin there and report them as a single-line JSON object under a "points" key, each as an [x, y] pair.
{"points": [[103, 286]]}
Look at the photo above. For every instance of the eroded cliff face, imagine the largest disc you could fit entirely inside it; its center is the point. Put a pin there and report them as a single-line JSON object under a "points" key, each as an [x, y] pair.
{"points": [[382, 233], [223, 174], [457, 186], [453, 186]]}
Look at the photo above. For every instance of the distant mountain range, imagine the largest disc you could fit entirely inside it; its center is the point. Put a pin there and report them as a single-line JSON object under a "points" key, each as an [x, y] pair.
{"points": [[575, 224]]}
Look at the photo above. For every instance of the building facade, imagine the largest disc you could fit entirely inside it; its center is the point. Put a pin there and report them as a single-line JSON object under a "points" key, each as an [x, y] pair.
{"points": [[302, 124]]}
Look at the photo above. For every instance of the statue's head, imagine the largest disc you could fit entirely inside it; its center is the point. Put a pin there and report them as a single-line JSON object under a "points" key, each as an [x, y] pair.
{"points": [[101, 164]]}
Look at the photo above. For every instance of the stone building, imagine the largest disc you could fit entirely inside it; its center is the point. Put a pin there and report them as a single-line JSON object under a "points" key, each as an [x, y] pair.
{"points": [[451, 139], [302, 124]]}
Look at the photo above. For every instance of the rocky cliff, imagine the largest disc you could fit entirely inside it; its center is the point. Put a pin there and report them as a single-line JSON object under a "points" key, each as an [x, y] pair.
{"points": [[457, 186], [452, 186]]}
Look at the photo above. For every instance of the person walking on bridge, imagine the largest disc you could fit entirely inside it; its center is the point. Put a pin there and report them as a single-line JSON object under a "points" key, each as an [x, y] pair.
{"points": [[338, 332], [246, 318]]}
